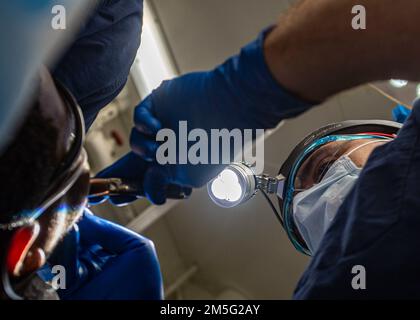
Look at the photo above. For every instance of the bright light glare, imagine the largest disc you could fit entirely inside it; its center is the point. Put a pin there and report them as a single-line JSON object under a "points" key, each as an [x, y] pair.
{"points": [[153, 63], [398, 83], [226, 186]]}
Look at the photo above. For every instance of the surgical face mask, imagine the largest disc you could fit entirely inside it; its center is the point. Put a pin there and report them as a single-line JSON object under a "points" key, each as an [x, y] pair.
{"points": [[314, 209]]}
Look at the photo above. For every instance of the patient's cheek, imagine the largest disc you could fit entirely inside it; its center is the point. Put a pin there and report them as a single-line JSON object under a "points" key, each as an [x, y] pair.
{"points": [[360, 157]]}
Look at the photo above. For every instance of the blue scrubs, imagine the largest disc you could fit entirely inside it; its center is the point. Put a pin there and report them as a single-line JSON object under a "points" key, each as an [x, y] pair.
{"points": [[123, 265], [377, 227], [96, 67], [105, 261]]}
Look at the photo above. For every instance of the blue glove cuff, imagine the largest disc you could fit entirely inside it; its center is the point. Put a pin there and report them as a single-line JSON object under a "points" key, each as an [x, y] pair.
{"points": [[400, 113]]}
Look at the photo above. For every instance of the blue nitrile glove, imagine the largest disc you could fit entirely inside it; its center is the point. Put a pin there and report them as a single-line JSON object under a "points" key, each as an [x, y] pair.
{"points": [[107, 261], [241, 93], [400, 113], [133, 167]]}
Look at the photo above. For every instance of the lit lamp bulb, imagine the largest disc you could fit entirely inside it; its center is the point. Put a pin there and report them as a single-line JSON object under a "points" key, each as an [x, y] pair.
{"points": [[234, 185], [238, 183], [226, 186]]}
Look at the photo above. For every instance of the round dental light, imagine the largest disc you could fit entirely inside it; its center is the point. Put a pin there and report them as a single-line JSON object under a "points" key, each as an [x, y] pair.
{"points": [[233, 186]]}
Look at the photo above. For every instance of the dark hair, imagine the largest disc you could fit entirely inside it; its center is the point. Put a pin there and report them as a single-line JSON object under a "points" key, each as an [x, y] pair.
{"points": [[28, 164]]}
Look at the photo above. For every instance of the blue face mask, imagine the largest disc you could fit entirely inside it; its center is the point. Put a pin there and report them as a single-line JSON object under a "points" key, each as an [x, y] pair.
{"points": [[314, 209]]}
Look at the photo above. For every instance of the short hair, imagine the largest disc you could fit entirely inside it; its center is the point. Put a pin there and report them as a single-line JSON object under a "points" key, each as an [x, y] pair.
{"points": [[28, 164]]}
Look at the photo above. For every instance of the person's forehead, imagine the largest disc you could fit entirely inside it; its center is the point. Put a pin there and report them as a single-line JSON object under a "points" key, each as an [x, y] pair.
{"points": [[334, 146]]}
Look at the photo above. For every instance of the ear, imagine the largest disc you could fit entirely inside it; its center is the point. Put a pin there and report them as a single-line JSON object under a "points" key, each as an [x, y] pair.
{"points": [[22, 257]]}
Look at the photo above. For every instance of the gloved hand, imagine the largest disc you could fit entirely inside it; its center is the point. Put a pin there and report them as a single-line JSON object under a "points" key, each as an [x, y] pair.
{"points": [[241, 93], [133, 167], [106, 261]]}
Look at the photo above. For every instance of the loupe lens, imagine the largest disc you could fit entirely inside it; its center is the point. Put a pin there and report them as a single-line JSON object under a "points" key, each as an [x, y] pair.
{"points": [[233, 186]]}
